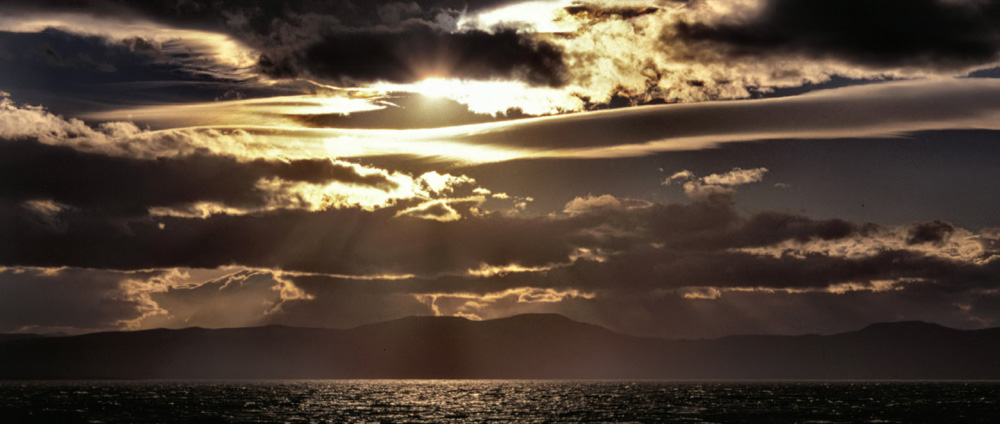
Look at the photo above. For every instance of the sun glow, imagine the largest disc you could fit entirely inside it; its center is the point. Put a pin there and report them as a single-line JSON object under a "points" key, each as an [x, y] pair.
{"points": [[541, 16], [268, 111], [491, 97]]}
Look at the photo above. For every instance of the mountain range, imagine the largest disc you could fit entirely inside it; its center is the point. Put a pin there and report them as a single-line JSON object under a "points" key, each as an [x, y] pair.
{"points": [[535, 346]]}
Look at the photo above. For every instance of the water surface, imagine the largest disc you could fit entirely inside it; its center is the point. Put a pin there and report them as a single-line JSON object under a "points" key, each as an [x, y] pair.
{"points": [[468, 401]]}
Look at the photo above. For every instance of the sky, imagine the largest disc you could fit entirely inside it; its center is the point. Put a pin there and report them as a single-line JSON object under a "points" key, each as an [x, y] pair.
{"points": [[676, 169]]}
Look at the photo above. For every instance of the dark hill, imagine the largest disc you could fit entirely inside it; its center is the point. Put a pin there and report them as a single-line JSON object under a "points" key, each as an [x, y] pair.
{"points": [[18, 336], [524, 346]]}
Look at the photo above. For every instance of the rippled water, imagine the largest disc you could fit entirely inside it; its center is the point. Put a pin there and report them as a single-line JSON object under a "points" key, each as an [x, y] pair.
{"points": [[497, 401]]}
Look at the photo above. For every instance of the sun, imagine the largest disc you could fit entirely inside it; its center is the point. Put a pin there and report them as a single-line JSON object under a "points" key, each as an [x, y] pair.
{"points": [[540, 16], [491, 97]]}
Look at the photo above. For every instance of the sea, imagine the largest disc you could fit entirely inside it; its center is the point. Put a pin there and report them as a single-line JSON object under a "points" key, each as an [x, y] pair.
{"points": [[478, 401]]}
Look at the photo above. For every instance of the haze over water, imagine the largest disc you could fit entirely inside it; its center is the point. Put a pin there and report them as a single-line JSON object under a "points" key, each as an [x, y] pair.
{"points": [[467, 401]]}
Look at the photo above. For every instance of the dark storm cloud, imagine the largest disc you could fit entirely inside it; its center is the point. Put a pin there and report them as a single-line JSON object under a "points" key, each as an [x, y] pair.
{"points": [[647, 246], [772, 227], [650, 270], [354, 41], [714, 223], [357, 242], [73, 73], [53, 62], [63, 207], [880, 33], [640, 273], [260, 15], [606, 11], [335, 241], [930, 232], [347, 241], [418, 51], [661, 254], [129, 187], [63, 299], [696, 248]]}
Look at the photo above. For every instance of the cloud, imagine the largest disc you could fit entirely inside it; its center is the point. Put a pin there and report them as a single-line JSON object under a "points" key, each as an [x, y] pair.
{"points": [[472, 305], [600, 52], [21, 122], [703, 256], [851, 241], [131, 187], [932, 34], [737, 176], [417, 51], [715, 184], [79, 300], [347, 42], [760, 312], [249, 211], [443, 183], [684, 175], [274, 111], [497, 98], [124, 170], [881, 110], [125, 139], [590, 203], [724, 49], [118, 138], [259, 16], [930, 232], [73, 59], [46, 211], [195, 52], [443, 210], [54, 299], [705, 293], [256, 185], [401, 43], [337, 241], [618, 295], [381, 242], [644, 290], [240, 299], [695, 190]]}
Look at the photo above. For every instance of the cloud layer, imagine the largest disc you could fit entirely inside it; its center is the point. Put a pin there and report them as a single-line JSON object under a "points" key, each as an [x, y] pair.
{"points": [[305, 165], [685, 270], [932, 34], [637, 51]]}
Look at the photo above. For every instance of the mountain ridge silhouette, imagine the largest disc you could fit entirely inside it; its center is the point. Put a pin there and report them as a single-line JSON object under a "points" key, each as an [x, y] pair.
{"points": [[534, 346]]}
